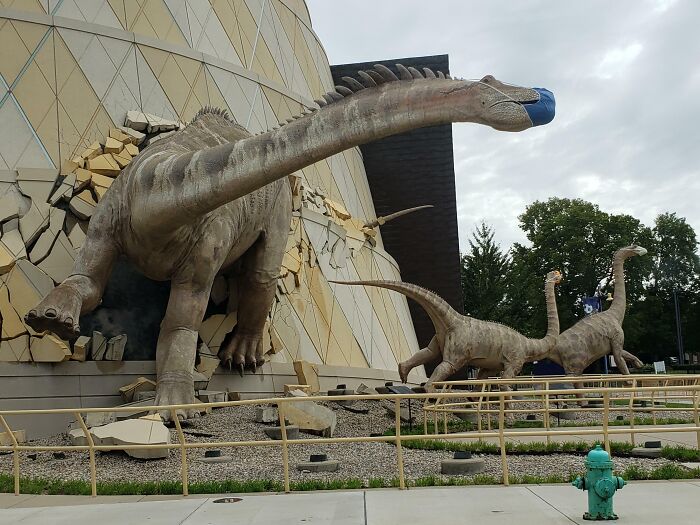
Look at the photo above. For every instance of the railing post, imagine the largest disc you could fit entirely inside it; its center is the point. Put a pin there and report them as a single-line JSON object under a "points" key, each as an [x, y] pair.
{"points": [[91, 444], [653, 403], [696, 415], [399, 450], [546, 412], [478, 410], [631, 410], [285, 449], [502, 440], [606, 417], [15, 453], [184, 470]]}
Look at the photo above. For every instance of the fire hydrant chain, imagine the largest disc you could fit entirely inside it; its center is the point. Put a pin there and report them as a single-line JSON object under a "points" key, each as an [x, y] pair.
{"points": [[600, 484]]}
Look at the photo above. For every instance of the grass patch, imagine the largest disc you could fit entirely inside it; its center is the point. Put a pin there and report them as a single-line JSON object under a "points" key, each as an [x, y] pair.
{"points": [[82, 488]]}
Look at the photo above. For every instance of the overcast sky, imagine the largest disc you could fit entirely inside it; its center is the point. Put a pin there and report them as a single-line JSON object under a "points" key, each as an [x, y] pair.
{"points": [[626, 76]]}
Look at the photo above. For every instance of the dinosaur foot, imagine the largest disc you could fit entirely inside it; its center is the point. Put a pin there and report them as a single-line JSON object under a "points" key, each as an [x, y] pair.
{"points": [[243, 351], [58, 312], [404, 369], [176, 393]]}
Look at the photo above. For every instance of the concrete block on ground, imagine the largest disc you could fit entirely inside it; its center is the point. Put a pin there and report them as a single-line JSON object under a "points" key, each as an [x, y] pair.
{"points": [[83, 205], [276, 432], [330, 465], [212, 396], [644, 452], [461, 467], [266, 415]]}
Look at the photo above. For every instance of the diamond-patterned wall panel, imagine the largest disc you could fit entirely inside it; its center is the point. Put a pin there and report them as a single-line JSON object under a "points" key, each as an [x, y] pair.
{"points": [[62, 89]]}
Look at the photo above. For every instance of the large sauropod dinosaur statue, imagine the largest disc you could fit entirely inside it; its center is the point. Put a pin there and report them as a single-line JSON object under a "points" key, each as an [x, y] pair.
{"points": [[599, 334], [192, 204], [462, 340]]}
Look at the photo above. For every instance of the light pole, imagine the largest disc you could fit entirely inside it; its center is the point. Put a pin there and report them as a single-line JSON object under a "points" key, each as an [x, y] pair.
{"points": [[679, 331]]}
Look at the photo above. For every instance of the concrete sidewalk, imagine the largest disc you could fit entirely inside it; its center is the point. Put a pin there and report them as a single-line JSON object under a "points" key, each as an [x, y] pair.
{"points": [[682, 438], [640, 503]]}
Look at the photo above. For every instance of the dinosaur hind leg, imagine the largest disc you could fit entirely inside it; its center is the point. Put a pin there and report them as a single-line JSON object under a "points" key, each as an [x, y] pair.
{"points": [[81, 292], [257, 285], [423, 356]]}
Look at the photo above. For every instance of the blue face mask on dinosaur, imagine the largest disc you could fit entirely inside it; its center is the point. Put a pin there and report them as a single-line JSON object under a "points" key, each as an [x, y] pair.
{"points": [[542, 111]]}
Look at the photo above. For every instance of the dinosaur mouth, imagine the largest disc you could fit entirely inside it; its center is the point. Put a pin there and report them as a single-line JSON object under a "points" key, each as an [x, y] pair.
{"points": [[541, 111]]}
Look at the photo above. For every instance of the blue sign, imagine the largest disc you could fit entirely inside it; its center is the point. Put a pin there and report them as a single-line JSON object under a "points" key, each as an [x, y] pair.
{"points": [[591, 305]]}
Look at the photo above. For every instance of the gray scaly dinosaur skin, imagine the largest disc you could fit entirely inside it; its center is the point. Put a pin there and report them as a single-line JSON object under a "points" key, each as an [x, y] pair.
{"points": [[191, 205], [462, 340], [599, 334]]}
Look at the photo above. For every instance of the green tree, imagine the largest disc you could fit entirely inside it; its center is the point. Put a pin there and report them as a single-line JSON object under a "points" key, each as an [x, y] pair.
{"points": [[484, 271], [675, 267], [579, 239]]}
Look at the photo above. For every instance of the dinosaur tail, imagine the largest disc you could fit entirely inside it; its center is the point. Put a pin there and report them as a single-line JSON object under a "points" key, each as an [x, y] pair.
{"points": [[440, 312], [379, 221]]}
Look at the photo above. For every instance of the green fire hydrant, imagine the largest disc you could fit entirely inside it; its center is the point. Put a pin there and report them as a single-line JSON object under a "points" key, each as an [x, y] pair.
{"points": [[600, 484]]}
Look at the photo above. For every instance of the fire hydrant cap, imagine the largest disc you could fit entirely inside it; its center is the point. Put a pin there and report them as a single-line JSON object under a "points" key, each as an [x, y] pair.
{"points": [[598, 458]]}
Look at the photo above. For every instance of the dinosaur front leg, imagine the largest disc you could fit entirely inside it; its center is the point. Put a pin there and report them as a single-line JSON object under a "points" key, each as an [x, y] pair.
{"points": [[60, 311], [617, 349], [177, 344], [632, 360], [423, 356], [441, 373]]}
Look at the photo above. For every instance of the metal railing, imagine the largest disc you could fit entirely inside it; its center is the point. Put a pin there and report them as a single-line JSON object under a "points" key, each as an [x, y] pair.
{"points": [[493, 402]]}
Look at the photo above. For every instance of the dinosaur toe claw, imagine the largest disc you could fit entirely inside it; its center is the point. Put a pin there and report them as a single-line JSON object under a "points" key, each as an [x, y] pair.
{"points": [[240, 369]]}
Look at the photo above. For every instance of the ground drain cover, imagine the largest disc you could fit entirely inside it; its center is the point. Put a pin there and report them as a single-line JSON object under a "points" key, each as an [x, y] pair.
{"points": [[228, 500]]}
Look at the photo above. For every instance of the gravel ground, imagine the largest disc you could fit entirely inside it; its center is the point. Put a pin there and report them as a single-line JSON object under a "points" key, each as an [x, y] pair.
{"points": [[358, 460]]}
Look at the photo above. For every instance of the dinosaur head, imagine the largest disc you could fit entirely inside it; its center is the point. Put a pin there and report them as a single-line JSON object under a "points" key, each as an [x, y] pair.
{"points": [[554, 276], [631, 251], [511, 108]]}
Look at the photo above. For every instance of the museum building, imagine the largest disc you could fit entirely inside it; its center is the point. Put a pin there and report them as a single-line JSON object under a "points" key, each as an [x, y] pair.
{"points": [[71, 71]]}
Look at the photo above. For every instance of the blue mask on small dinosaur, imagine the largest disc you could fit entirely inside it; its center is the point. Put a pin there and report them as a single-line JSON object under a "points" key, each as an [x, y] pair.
{"points": [[542, 111]]}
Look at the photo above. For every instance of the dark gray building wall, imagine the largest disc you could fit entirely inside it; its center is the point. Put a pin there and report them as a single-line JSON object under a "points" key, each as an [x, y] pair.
{"points": [[409, 170]]}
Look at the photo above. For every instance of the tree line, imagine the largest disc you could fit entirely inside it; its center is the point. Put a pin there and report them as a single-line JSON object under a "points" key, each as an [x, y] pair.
{"points": [[579, 239]]}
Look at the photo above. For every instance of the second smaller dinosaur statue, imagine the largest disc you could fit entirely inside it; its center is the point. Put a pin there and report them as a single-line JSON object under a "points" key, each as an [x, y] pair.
{"points": [[462, 340]]}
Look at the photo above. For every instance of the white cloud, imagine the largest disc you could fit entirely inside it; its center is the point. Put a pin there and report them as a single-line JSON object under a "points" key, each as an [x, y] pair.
{"points": [[615, 61], [625, 75]]}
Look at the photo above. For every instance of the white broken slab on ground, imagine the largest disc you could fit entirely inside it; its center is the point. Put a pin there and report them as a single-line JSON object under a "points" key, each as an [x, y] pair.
{"points": [[311, 417], [146, 430]]}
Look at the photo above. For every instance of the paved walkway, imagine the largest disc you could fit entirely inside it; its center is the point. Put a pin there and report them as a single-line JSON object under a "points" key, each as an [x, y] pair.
{"points": [[686, 439], [640, 503]]}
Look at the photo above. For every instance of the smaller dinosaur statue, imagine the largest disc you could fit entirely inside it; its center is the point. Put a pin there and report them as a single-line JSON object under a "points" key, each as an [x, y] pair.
{"points": [[462, 340], [599, 334]]}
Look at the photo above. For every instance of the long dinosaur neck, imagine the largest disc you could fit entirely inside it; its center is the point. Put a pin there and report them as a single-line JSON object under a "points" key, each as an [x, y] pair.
{"points": [[536, 349], [212, 177], [440, 312], [619, 303], [552, 313]]}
